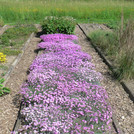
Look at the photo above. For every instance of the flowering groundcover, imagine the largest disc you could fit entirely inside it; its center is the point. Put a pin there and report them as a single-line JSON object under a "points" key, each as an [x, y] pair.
{"points": [[62, 94]]}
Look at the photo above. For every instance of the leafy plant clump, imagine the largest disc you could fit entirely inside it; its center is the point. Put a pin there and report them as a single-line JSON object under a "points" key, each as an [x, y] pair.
{"points": [[61, 94], [53, 24], [3, 90]]}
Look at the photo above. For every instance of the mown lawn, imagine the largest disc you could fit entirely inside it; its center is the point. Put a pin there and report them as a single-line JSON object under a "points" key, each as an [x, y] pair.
{"points": [[103, 11]]}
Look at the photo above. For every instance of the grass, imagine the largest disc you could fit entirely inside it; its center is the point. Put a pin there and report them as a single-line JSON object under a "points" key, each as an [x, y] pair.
{"points": [[106, 41], [13, 39], [125, 57], [118, 47], [83, 10]]}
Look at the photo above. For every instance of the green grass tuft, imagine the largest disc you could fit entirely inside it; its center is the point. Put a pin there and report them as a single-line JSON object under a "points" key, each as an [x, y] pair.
{"points": [[13, 38]]}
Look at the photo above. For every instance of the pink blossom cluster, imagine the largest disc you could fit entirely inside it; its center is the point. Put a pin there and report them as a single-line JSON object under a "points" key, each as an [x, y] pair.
{"points": [[59, 46], [58, 37], [62, 95]]}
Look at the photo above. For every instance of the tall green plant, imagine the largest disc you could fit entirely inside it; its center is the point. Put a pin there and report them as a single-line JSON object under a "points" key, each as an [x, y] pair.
{"points": [[3, 90], [126, 52]]}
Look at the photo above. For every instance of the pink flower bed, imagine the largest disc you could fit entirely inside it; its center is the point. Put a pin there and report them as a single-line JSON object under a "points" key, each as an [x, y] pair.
{"points": [[61, 93], [58, 37]]}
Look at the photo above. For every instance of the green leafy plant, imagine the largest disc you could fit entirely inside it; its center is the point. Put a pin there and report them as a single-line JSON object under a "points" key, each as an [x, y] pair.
{"points": [[118, 47], [53, 24], [3, 90]]}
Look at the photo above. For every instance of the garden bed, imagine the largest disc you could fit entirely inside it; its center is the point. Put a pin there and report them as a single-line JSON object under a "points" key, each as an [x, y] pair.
{"points": [[19, 123]]}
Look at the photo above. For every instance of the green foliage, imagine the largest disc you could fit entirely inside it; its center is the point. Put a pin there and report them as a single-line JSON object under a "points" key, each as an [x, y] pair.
{"points": [[13, 38], [53, 24], [9, 51], [12, 34], [13, 11], [118, 46], [125, 57], [3, 90], [107, 41], [126, 65]]}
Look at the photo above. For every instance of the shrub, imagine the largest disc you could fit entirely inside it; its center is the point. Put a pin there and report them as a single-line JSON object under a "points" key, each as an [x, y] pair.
{"points": [[62, 46], [58, 37], [62, 97], [53, 24]]}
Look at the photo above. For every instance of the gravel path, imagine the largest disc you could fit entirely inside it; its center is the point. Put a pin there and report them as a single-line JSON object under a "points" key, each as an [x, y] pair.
{"points": [[9, 104], [122, 106]]}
